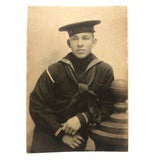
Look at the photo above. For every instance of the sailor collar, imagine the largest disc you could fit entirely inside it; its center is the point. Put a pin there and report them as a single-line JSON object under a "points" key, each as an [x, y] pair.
{"points": [[91, 64]]}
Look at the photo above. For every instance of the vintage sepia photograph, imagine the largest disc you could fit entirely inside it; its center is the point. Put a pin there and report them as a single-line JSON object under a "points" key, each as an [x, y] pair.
{"points": [[77, 79]]}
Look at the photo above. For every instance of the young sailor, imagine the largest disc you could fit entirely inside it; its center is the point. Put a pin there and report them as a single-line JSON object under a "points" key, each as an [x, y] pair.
{"points": [[71, 94]]}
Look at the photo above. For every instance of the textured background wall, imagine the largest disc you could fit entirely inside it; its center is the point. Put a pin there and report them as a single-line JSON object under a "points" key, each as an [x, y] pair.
{"points": [[46, 45]]}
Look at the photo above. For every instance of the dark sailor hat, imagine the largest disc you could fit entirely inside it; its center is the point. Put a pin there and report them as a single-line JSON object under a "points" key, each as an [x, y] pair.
{"points": [[84, 26]]}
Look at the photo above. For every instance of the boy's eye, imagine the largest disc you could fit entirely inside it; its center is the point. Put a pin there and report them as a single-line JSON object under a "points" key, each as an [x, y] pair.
{"points": [[74, 38], [85, 38]]}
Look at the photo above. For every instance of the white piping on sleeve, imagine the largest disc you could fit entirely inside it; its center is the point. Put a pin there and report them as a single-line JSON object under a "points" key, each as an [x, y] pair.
{"points": [[85, 117], [50, 76]]}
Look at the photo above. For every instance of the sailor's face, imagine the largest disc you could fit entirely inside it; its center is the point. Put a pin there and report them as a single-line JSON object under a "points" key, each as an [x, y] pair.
{"points": [[81, 44]]}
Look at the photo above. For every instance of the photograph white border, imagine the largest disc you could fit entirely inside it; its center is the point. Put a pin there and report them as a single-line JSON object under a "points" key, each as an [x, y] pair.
{"points": [[143, 51]]}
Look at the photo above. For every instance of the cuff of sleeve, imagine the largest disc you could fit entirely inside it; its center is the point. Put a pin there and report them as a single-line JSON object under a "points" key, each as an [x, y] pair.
{"points": [[85, 117], [82, 118]]}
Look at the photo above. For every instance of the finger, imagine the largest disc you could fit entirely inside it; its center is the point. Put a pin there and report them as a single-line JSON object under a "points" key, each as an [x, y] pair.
{"points": [[77, 141], [74, 132], [70, 131], [72, 146], [64, 126], [80, 138], [75, 144], [66, 130]]}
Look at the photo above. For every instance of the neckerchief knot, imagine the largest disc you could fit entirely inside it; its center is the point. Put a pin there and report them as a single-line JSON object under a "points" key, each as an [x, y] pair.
{"points": [[82, 88]]}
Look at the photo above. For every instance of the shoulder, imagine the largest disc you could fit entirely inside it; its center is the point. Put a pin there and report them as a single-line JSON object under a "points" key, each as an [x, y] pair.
{"points": [[103, 66], [54, 70], [105, 71], [55, 67]]}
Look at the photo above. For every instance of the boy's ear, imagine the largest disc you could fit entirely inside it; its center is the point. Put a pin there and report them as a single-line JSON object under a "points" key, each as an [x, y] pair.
{"points": [[94, 42], [68, 43]]}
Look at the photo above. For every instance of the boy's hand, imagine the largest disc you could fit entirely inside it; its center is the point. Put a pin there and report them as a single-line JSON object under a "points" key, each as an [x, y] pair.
{"points": [[72, 141], [72, 125]]}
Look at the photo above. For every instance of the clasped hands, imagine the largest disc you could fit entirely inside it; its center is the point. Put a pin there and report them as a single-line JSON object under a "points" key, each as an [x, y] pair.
{"points": [[70, 128]]}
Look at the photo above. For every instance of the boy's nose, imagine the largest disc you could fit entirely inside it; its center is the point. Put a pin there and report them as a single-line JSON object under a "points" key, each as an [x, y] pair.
{"points": [[80, 42]]}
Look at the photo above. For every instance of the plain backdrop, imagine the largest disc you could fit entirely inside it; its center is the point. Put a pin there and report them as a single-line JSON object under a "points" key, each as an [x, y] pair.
{"points": [[46, 45]]}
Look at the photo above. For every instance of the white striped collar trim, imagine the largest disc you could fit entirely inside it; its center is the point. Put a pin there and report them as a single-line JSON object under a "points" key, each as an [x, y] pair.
{"points": [[91, 64], [50, 76]]}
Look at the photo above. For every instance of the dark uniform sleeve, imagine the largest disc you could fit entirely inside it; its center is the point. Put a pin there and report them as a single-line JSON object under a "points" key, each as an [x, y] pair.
{"points": [[39, 107], [106, 102]]}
